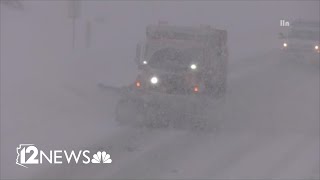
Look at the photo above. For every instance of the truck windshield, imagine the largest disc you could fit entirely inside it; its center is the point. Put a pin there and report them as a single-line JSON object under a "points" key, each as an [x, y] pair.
{"points": [[304, 34], [173, 60]]}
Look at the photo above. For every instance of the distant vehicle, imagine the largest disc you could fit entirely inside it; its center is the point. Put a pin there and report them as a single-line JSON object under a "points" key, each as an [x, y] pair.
{"points": [[302, 39], [182, 77]]}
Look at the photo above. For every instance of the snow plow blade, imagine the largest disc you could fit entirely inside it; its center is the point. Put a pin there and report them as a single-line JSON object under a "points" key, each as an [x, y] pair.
{"points": [[158, 110], [115, 91]]}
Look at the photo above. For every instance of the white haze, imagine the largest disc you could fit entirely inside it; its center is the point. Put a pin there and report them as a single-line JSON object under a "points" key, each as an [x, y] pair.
{"points": [[49, 93]]}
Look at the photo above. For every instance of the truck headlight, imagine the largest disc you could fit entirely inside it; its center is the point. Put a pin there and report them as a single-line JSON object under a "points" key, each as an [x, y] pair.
{"points": [[285, 44], [154, 80], [193, 66], [316, 47]]}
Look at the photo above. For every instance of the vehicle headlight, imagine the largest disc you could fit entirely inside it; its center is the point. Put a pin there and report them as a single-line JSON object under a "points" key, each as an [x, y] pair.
{"points": [[145, 62], [154, 80], [316, 47], [193, 66], [285, 44]]}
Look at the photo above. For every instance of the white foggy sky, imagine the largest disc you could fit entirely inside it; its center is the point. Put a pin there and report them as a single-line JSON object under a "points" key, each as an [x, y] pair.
{"points": [[252, 25]]}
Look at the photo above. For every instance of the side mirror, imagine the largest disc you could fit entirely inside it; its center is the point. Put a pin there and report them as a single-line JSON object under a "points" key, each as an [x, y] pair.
{"points": [[281, 36]]}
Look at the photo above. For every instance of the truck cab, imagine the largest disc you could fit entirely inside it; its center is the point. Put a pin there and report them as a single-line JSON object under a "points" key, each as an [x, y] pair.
{"points": [[182, 60], [302, 38], [181, 80]]}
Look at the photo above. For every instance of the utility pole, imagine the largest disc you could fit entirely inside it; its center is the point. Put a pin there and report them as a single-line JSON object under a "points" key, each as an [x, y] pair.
{"points": [[74, 11], [88, 34]]}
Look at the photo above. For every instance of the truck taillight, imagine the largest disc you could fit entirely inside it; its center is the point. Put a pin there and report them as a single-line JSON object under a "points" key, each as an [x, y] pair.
{"points": [[138, 84], [196, 89]]}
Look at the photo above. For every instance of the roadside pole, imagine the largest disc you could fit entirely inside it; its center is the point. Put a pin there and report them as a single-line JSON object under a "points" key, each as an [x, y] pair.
{"points": [[74, 11]]}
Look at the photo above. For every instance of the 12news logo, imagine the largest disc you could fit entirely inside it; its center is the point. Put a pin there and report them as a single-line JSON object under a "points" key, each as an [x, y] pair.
{"points": [[28, 154]]}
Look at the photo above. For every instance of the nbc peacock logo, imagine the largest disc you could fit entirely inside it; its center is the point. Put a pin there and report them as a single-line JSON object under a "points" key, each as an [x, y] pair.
{"points": [[101, 157]]}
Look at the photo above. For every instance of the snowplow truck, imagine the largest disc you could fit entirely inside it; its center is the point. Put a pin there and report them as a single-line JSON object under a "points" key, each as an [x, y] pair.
{"points": [[181, 81], [301, 42]]}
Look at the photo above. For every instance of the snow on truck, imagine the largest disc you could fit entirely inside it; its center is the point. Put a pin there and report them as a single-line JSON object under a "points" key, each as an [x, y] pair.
{"points": [[181, 81]]}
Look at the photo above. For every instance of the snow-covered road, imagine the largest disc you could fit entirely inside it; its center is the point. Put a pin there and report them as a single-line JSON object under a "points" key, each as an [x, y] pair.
{"points": [[49, 98], [271, 130]]}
